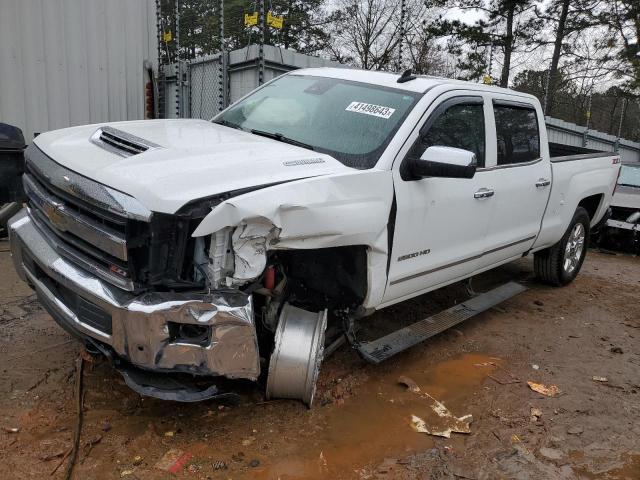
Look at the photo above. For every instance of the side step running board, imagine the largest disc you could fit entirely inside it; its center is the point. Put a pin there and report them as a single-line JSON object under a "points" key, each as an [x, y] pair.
{"points": [[404, 338]]}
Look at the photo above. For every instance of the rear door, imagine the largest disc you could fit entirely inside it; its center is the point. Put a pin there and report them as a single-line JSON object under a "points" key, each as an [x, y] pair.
{"points": [[520, 176]]}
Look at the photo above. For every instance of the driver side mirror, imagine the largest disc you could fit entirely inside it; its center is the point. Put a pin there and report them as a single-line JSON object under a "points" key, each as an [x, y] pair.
{"points": [[447, 162]]}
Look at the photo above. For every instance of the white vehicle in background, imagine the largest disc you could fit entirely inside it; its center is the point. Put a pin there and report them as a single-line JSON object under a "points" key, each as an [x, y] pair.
{"points": [[219, 248], [622, 230]]}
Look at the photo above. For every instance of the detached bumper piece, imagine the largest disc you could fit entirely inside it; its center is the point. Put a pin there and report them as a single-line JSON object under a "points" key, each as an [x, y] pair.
{"points": [[202, 334], [172, 386]]}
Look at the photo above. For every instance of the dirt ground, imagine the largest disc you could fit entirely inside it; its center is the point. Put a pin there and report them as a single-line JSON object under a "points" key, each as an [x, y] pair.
{"points": [[360, 426]]}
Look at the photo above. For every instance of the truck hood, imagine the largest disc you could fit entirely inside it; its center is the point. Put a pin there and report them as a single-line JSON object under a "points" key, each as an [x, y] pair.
{"points": [[192, 159]]}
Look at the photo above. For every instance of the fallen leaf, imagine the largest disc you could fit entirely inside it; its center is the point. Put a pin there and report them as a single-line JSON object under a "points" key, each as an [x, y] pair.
{"points": [[549, 391], [452, 424]]}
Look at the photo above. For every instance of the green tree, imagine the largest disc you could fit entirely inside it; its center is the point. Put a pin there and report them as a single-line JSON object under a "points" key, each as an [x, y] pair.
{"points": [[621, 19], [509, 25], [304, 26], [569, 18]]}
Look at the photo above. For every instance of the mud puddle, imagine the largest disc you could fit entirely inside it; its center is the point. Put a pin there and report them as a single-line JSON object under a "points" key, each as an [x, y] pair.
{"points": [[377, 424], [630, 469]]}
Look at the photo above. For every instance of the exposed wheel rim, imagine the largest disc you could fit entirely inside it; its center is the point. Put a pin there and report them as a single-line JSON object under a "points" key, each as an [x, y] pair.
{"points": [[574, 247]]}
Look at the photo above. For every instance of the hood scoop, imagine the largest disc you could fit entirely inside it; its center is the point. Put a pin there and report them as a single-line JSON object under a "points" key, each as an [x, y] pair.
{"points": [[121, 143]]}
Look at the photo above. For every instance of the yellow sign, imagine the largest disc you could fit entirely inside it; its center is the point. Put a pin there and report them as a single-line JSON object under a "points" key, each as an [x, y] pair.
{"points": [[275, 21], [166, 36], [487, 80], [250, 19]]}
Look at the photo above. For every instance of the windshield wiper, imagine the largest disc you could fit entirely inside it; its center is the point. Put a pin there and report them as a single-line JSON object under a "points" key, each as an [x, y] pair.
{"points": [[282, 138], [229, 124]]}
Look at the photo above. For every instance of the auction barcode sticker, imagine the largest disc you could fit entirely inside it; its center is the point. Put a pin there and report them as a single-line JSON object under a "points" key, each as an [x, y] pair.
{"points": [[370, 109]]}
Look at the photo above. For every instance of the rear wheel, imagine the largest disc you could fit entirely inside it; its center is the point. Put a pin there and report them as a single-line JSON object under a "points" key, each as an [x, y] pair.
{"points": [[559, 265]]}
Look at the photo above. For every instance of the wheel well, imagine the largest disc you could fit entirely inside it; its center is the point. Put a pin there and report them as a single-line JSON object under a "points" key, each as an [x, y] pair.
{"points": [[334, 278], [591, 204]]}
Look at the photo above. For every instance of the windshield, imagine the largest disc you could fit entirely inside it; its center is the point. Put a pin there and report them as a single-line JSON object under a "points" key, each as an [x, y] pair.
{"points": [[353, 122], [630, 176]]}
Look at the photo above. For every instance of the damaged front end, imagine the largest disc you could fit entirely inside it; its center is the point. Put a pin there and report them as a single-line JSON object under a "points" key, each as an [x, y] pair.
{"points": [[199, 333], [216, 290]]}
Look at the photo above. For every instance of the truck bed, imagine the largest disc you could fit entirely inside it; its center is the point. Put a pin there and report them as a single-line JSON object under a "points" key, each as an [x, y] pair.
{"points": [[569, 153]]}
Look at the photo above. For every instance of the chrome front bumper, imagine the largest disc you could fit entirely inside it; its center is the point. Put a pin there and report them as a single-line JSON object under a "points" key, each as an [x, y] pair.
{"points": [[147, 330]]}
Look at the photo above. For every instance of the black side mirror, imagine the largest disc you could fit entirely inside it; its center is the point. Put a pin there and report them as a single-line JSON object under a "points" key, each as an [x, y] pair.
{"points": [[447, 162]]}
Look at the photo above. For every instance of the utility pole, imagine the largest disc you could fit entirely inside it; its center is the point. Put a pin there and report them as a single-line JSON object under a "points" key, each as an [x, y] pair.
{"points": [[546, 92], [403, 13], [491, 57], [586, 130]]}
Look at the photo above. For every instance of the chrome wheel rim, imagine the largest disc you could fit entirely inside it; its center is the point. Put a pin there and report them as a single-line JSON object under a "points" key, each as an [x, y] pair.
{"points": [[574, 247]]}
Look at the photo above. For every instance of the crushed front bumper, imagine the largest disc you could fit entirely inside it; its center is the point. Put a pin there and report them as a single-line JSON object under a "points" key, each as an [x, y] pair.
{"points": [[205, 334]]}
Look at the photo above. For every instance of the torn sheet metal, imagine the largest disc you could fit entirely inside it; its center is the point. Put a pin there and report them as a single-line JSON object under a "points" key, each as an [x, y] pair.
{"points": [[231, 349], [329, 211], [250, 242], [445, 423]]}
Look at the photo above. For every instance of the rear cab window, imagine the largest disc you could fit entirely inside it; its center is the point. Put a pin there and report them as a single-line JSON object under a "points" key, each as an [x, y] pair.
{"points": [[517, 132]]}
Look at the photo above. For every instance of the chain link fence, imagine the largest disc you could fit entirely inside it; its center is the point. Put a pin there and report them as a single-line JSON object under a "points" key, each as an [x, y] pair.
{"points": [[207, 90]]}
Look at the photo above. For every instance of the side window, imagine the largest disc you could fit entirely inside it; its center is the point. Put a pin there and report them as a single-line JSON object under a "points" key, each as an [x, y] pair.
{"points": [[517, 132], [460, 126]]}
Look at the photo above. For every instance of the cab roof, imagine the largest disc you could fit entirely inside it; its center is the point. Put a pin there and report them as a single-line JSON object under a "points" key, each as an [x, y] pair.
{"points": [[420, 84]]}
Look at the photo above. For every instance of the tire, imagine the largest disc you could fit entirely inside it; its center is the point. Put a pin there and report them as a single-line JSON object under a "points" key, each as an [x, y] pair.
{"points": [[559, 265]]}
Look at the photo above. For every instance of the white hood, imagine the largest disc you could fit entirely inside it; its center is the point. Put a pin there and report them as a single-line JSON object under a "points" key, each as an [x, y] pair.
{"points": [[196, 159]]}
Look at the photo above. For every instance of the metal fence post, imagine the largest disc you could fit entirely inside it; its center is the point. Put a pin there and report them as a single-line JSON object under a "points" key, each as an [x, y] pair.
{"points": [[178, 68], [624, 106], [263, 28], [222, 71], [159, 84]]}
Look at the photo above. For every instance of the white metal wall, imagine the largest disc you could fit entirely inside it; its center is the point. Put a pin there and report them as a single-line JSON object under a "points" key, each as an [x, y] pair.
{"points": [[73, 62], [243, 69], [567, 133]]}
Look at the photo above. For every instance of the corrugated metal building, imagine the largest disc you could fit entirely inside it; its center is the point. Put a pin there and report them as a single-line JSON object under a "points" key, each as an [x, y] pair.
{"points": [[73, 62]]}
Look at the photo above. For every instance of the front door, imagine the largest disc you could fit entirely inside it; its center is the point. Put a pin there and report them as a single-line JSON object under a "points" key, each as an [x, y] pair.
{"points": [[440, 226]]}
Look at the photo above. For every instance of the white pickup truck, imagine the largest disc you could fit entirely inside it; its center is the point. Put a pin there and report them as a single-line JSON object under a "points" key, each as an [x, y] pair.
{"points": [[219, 248]]}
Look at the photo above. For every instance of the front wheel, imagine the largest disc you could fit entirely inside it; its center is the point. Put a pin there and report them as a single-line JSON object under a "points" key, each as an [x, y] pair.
{"points": [[559, 265]]}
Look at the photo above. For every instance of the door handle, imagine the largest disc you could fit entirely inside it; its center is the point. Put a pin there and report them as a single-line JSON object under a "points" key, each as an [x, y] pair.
{"points": [[543, 182], [484, 193]]}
